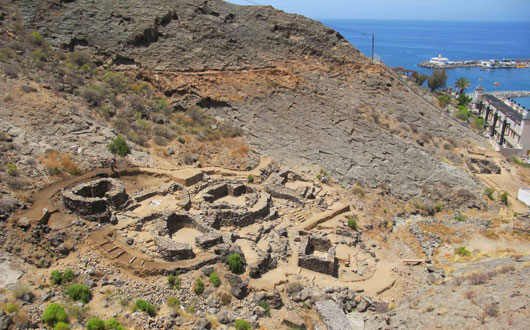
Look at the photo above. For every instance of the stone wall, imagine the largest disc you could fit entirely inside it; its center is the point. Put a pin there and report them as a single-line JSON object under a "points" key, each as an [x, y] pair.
{"points": [[242, 216], [216, 192], [94, 200], [306, 259], [171, 250]]}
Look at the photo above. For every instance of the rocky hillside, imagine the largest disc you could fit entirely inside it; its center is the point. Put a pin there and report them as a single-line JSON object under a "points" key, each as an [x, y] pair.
{"points": [[302, 94]]}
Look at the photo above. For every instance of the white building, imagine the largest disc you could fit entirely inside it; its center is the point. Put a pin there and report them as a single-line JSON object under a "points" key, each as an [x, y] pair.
{"points": [[506, 123], [439, 59]]}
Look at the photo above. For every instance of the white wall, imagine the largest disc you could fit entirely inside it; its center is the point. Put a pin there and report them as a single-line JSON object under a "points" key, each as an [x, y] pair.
{"points": [[524, 196]]}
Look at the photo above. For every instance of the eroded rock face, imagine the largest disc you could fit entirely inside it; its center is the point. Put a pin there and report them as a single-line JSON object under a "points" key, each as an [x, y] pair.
{"points": [[152, 33], [96, 199]]}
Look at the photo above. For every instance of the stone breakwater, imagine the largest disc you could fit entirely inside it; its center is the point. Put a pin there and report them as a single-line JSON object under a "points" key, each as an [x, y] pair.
{"points": [[492, 64]]}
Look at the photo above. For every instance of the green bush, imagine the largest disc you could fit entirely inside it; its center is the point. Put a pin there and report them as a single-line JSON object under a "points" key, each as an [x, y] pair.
{"points": [[111, 324], [95, 324], [173, 302], [250, 178], [53, 314], [438, 207], [226, 299], [12, 169], [198, 288], [235, 262], [144, 306], [68, 275], [352, 223], [463, 99], [242, 325], [79, 58], [519, 162], [462, 251], [94, 94], [79, 292], [444, 100], [437, 79], [489, 192], [266, 306], [36, 39], [61, 326], [56, 277], [463, 113], [478, 123], [460, 218], [504, 198], [117, 80], [119, 146], [173, 281], [214, 279], [11, 308]]}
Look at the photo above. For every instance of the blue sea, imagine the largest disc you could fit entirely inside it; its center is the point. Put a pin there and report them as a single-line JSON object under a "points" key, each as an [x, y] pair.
{"points": [[408, 43]]}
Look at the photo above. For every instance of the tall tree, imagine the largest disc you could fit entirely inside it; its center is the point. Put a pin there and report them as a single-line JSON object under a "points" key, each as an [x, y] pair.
{"points": [[437, 79], [462, 84]]}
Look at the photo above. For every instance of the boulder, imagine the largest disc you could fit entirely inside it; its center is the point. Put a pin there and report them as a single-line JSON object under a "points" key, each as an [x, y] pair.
{"points": [[5, 321], [332, 315], [23, 223], [293, 320], [363, 306], [203, 324], [238, 287]]}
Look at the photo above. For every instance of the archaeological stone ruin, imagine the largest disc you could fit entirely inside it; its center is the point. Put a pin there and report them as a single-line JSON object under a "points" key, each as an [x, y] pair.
{"points": [[318, 254], [96, 200]]}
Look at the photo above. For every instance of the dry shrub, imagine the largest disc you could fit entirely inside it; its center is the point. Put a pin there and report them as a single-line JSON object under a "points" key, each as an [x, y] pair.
{"points": [[17, 183], [464, 194], [448, 146], [183, 119], [121, 125], [506, 269], [11, 70], [239, 151], [458, 280], [469, 294], [478, 278], [164, 131], [491, 310], [160, 140], [57, 163]]}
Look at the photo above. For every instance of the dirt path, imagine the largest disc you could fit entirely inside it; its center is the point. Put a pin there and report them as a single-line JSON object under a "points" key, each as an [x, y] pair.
{"points": [[42, 198]]}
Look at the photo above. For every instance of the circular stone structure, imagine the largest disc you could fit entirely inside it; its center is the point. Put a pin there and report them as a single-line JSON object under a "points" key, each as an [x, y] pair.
{"points": [[94, 200]]}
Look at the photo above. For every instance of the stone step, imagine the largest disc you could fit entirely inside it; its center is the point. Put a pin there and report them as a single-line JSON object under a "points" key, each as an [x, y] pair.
{"points": [[119, 254], [112, 249]]}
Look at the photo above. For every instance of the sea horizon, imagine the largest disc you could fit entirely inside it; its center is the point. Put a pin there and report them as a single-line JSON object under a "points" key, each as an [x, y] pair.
{"points": [[407, 43]]}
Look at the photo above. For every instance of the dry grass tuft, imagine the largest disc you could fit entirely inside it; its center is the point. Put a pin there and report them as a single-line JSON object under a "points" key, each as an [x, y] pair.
{"points": [[56, 163]]}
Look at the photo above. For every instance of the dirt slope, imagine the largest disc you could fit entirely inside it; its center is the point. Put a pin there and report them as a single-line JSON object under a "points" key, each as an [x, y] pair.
{"points": [[335, 110]]}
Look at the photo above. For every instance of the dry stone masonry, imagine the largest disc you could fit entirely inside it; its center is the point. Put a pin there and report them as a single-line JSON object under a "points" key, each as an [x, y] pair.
{"points": [[326, 264], [96, 200]]}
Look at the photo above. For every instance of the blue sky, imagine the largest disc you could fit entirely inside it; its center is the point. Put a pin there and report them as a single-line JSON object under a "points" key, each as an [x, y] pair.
{"points": [[441, 10]]}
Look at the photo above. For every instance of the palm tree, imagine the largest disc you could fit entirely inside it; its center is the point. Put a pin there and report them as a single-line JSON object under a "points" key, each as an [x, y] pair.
{"points": [[462, 83]]}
